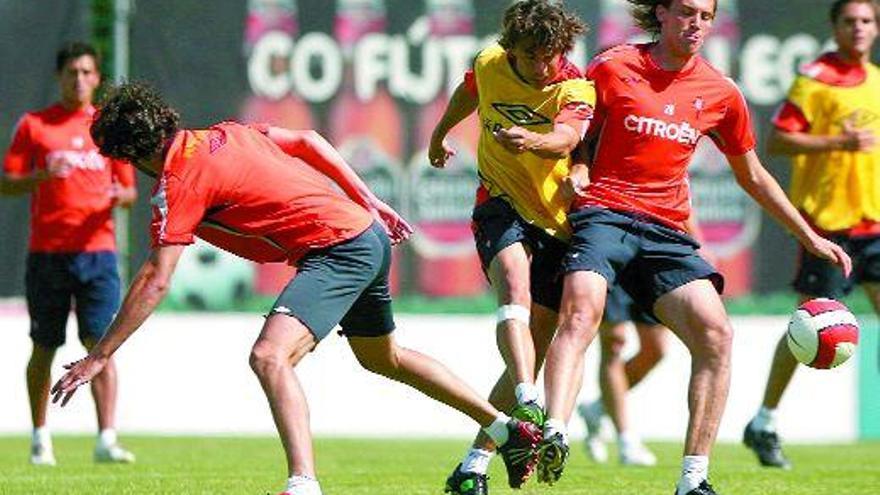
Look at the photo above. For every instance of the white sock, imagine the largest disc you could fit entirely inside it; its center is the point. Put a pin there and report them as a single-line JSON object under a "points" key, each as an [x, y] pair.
{"points": [[765, 420], [42, 436], [497, 431], [302, 485], [107, 437], [553, 426], [526, 392], [627, 440], [476, 461], [694, 469]]}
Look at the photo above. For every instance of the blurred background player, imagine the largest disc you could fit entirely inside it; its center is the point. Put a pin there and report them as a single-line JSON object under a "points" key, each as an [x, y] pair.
{"points": [[535, 108], [267, 194], [829, 126], [72, 256], [654, 102]]}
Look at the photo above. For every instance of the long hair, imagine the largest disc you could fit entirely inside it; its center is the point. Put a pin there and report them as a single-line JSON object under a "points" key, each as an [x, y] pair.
{"points": [[645, 13], [133, 123], [545, 22]]}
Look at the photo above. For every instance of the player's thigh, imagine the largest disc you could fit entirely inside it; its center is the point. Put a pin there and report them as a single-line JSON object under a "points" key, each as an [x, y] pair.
{"points": [[499, 237], [48, 290], [328, 282], [696, 314], [370, 315], [543, 323], [97, 293], [583, 300]]}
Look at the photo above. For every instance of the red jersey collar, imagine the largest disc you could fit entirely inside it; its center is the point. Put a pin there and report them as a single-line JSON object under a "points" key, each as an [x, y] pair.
{"points": [[833, 70]]}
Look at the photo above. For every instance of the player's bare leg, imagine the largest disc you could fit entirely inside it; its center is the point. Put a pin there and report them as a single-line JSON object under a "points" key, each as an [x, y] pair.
{"points": [[583, 300], [652, 348], [695, 313], [104, 390], [282, 343], [38, 381]]}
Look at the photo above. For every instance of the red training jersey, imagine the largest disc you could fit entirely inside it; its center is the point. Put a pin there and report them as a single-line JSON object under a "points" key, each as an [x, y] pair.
{"points": [[648, 121], [235, 188], [72, 213]]}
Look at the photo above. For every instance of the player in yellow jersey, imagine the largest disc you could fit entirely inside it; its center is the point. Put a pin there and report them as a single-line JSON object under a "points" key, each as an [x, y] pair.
{"points": [[534, 107], [829, 125]]}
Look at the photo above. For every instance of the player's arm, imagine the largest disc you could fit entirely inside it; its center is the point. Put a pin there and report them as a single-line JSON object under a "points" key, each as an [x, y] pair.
{"points": [[462, 103], [147, 290], [569, 128], [762, 187], [312, 148], [123, 190], [577, 180], [19, 175], [783, 142], [16, 185]]}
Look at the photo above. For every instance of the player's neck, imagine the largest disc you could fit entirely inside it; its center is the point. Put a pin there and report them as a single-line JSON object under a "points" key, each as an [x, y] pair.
{"points": [[667, 60], [75, 105], [853, 58]]}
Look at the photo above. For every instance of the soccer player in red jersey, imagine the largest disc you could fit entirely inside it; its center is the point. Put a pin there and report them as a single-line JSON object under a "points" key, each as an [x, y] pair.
{"points": [[829, 125], [72, 244], [654, 102], [268, 194]]}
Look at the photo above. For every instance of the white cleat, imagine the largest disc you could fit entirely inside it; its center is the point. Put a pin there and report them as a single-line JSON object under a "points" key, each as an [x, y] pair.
{"points": [[637, 455], [596, 449], [113, 454], [42, 455]]}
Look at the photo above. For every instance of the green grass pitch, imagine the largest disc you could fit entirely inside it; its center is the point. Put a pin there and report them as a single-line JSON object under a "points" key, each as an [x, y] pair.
{"points": [[254, 465]]}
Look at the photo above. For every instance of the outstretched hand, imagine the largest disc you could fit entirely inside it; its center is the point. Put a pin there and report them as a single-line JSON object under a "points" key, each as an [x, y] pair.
{"points": [[439, 152], [830, 251], [78, 373], [397, 228]]}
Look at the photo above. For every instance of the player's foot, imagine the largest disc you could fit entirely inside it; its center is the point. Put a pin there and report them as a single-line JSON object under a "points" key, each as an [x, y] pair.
{"points": [[459, 483], [593, 443], [520, 453], [704, 489], [114, 454], [42, 455], [766, 446], [637, 454], [530, 411], [553, 454]]}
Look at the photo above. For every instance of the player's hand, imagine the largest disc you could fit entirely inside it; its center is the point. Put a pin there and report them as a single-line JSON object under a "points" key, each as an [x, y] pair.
{"points": [[78, 373], [516, 139], [439, 152], [397, 228], [59, 167], [575, 183], [854, 139], [830, 251]]}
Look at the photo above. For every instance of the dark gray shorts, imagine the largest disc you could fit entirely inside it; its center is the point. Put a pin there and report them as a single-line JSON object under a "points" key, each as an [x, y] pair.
{"points": [[620, 308], [345, 284], [818, 277]]}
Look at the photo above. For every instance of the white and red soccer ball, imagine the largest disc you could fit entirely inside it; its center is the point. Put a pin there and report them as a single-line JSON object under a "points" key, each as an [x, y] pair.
{"points": [[822, 333]]}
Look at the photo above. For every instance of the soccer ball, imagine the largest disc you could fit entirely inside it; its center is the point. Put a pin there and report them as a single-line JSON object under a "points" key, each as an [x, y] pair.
{"points": [[208, 278], [822, 333]]}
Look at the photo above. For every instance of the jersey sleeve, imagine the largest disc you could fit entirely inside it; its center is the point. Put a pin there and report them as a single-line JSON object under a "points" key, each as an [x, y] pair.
{"points": [[576, 105], [734, 135], [123, 173], [19, 158], [470, 82], [800, 108], [177, 212], [789, 118]]}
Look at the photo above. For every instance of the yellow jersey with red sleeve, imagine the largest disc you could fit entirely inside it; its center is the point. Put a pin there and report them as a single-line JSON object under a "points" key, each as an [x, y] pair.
{"points": [[837, 190], [529, 183]]}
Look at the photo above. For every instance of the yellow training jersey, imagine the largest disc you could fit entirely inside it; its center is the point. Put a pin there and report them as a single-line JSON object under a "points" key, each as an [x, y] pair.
{"points": [[836, 189], [530, 184]]}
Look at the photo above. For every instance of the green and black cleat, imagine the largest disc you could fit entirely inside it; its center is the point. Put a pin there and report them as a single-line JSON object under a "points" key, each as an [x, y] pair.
{"points": [[704, 489], [530, 411], [459, 483], [520, 453], [552, 456]]}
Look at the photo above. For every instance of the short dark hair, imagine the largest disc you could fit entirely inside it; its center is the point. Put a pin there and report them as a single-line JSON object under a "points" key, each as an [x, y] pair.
{"points": [[545, 22], [73, 50], [645, 13], [838, 5], [133, 123]]}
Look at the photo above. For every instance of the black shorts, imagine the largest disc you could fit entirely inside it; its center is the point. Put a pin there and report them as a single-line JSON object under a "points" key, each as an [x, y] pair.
{"points": [[818, 277], [53, 280], [645, 258], [497, 225], [345, 284], [620, 308]]}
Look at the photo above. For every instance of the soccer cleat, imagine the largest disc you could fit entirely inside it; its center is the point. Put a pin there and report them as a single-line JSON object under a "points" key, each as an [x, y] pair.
{"points": [[704, 489], [552, 456], [42, 455], [113, 454], [519, 452], [766, 446], [459, 483], [593, 443], [530, 411], [637, 454]]}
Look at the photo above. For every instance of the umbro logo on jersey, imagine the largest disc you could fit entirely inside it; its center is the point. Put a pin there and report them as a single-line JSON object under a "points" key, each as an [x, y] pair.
{"points": [[680, 132], [520, 114], [860, 118]]}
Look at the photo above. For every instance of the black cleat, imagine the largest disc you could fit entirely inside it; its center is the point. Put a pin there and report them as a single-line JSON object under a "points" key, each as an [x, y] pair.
{"points": [[704, 489], [520, 451], [767, 446], [459, 483], [552, 456]]}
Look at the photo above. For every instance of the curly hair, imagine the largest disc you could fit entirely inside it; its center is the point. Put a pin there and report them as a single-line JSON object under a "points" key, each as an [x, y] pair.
{"points": [[133, 123], [545, 22], [645, 13]]}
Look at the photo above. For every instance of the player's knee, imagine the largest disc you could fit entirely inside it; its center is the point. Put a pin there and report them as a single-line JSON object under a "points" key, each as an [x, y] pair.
{"points": [[612, 347], [266, 358], [717, 342], [382, 363]]}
